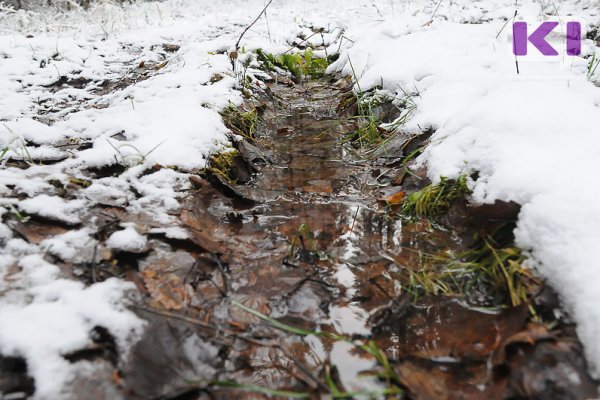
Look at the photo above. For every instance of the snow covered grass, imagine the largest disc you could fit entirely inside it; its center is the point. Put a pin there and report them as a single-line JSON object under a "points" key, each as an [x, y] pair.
{"points": [[531, 137]]}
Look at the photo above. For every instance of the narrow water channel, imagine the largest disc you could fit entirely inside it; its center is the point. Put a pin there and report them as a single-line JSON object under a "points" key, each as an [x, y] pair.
{"points": [[346, 281]]}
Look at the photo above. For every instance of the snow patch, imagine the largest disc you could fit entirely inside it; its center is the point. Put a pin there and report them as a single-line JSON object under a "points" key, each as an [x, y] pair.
{"points": [[49, 317]]}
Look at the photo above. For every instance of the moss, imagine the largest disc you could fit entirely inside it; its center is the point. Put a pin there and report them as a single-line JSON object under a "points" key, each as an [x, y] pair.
{"points": [[221, 164]]}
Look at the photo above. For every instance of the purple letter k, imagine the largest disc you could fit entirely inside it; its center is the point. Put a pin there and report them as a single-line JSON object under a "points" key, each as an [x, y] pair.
{"points": [[537, 38]]}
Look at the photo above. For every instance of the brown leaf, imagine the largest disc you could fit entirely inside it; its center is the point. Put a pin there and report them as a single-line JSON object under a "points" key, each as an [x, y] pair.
{"points": [[254, 301], [35, 231], [530, 335], [168, 291], [396, 198]]}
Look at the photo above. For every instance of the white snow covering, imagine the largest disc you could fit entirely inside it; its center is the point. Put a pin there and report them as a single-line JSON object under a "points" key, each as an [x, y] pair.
{"points": [[127, 239], [533, 137], [43, 317], [53, 207]]}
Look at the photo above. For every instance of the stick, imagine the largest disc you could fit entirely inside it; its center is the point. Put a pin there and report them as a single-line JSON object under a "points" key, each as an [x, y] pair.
{"points": [[433, 15], [237, 44]]}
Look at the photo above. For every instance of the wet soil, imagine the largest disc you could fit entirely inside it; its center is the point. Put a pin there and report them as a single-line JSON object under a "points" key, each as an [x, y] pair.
{"points": [[308, 241]]}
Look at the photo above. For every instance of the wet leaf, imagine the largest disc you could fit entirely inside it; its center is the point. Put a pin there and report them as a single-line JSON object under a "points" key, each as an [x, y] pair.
{"points": [[253, 301], [168, 291], [530, 335], [36, 231], [396, 198]]}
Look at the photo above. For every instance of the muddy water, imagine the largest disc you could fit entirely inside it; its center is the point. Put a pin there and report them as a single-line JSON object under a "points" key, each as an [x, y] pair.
{"points": [[345, 281]]}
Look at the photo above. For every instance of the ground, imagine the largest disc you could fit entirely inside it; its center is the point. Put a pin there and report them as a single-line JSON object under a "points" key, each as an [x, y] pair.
{"points": [[349, 200]]}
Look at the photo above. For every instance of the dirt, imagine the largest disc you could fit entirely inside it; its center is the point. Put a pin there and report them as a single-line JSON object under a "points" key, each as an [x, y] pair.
{"points": [[310, 241]]}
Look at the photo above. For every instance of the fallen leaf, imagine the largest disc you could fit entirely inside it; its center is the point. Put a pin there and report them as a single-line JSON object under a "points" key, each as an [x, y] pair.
{"points": [[396, 198]]}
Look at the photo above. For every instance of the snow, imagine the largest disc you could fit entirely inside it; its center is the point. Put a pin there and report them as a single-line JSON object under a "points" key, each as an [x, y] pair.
{"points": [[127, 240], [75, 246], [53, 207], [174, 232], [533, 137], [48, 316]]}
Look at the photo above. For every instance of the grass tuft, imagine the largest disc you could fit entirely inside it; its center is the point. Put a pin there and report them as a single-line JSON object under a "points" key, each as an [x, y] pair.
{"points": [[487, 268], [368, 134], [241, 122], [434, 200], [592, 66]]}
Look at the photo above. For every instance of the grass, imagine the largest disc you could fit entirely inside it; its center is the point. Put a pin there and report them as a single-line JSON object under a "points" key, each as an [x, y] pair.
{"points": [[486, 268], [18, 147], [260, 389], [128, 155], [308, 246], [241, 122], [80, 182], [408, 104], [386, 371], [300, 65], [334, 392], [372, 132], [305, 236], [592, 66], [221, 164], [435, 199], [3, 152], [17, 214], [368, 134]]}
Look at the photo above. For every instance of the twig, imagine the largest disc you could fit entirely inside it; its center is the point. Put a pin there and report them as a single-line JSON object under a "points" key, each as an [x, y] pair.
{"points": [[506, 23], [237, 44], [434, 12], [376, 8], [94, 279], [180, 317], [268, 26], [304, 40], [324, 47], [354, 219]]}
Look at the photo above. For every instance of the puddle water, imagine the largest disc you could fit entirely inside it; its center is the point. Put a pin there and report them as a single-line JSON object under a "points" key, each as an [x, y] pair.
{"points": [[346, 281]]}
